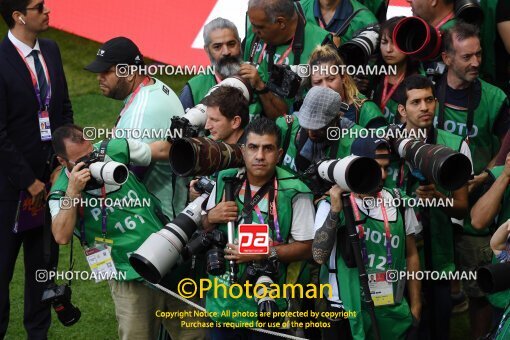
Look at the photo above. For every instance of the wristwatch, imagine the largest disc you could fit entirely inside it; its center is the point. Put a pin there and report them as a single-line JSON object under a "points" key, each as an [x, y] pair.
{"points": [[273, 255]]}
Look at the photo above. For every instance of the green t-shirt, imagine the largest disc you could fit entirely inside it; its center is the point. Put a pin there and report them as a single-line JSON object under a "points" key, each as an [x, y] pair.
{"points": [[151, 110], [128, 226]]}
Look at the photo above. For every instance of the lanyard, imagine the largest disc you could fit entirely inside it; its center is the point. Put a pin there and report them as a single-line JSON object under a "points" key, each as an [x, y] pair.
{"points": [[271, 205], [282, 57], [361, 230], [218, 79], [386, 95], [46, 104], [142, 84], [445, 19], [104, 218]]}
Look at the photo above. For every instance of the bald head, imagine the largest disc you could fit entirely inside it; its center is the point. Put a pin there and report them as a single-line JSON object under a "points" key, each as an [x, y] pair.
{"points": [[273, 21]]}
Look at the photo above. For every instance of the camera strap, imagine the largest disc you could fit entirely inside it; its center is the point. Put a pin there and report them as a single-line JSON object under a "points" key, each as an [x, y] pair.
{"points": [[251, 203], [102, 154], [361, 229], [471, 106], [346, 23], [289, 119]]}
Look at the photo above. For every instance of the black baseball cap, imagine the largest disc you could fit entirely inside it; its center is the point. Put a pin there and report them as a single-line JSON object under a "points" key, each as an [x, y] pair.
{"points": [[119, 50], [366, 147]]}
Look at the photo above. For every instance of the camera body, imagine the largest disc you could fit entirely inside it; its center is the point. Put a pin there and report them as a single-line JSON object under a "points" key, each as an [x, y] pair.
{"points": [[60, 298], [180, 126], [213, 243], [204, 185], [283, 81], [263, 274], [113, 173]]}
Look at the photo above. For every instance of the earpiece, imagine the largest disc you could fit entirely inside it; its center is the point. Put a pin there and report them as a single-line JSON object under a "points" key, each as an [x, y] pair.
{"points": [[23, 21]]}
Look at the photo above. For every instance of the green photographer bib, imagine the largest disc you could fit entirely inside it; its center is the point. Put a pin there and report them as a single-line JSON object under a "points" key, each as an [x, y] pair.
{"points": [[289, 157], [128, 226], [313, 37], [287, 189], [441, 231], [393, 320]]}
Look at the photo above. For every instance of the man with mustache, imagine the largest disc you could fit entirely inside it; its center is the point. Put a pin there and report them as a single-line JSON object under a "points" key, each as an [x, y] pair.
{"points": [[475, 110], [223, 47], [265, 194], [417, 105]]}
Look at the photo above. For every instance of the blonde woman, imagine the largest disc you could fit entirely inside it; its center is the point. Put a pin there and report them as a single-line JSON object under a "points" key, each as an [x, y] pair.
{"points": [[327, 68]]}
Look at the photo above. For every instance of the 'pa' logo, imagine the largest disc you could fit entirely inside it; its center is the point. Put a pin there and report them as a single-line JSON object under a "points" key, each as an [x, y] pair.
{"points": [[253, 239], [100, 52]]}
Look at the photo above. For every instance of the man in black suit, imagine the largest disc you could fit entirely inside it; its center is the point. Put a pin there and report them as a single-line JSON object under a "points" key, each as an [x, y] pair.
{"points": [[33, 102]]}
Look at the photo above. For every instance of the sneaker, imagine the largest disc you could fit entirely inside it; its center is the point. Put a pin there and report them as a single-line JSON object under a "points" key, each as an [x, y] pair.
{"points": [[460, 303]]}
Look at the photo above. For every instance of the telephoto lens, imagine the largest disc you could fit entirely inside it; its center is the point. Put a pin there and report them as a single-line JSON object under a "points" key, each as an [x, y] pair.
{"points": [[358, 50], [161, 250], [203, 157], [360, 175], [469, 11], [414, 37], [437, 163], [494, 278]]}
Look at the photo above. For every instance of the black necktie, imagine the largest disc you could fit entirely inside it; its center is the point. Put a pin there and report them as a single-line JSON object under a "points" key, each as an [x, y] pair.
{"points": [[41, 77]]}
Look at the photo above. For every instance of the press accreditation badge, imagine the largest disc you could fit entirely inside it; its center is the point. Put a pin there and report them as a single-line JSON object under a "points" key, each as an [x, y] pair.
{"points": [[44, 126], [100, 262], [380, 289]]}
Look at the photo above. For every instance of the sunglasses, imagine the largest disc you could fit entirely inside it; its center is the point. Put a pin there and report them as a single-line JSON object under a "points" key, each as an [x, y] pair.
{"points": [[39, 7]]}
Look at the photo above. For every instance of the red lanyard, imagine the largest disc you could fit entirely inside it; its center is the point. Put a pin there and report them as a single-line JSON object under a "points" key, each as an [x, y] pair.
{"points": [[46, 104], [445, 19], [361, 230], [385, 96], [218, 79], [283, 56], [142, 84]]}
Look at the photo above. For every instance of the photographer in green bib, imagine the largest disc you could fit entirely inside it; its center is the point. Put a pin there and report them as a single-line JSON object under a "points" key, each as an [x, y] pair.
{"points": [[223, 47], [115, 229], [315, 131], [479, 112], [384, 87], [387, 243], [277, 36], [416, 106], [265, 194]]}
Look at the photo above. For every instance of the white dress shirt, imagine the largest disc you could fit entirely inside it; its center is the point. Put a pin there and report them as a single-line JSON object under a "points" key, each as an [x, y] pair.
{"points": [[26, 50]]}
